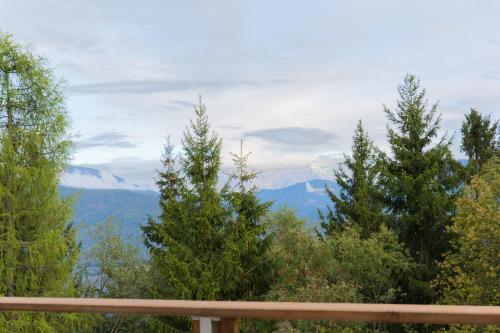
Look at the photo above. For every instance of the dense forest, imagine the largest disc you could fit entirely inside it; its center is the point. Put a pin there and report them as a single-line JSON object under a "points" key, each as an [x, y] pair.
{"points": [[410, 225]]}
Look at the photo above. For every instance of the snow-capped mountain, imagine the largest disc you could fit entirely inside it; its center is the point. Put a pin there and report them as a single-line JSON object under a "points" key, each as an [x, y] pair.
{"points": [[89, 178], [100, 195], [305, 198], [279, 178]]}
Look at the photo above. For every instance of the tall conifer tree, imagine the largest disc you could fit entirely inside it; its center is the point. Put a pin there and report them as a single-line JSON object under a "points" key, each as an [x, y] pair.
{"points": [[479, 140], [37, 242], [208, 243], [420, 179], [359, 200], [247, 235]]}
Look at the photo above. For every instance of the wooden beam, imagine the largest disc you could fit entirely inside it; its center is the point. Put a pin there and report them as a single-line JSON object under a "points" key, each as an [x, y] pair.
{"points": [[228, 325], [390, 313]]}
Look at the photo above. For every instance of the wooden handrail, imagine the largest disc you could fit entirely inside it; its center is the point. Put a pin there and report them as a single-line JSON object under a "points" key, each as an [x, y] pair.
{"points": [[390, 313]]}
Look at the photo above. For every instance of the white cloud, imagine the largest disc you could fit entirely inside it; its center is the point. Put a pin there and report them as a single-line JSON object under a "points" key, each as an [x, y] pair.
{"points": [[260, 66]]}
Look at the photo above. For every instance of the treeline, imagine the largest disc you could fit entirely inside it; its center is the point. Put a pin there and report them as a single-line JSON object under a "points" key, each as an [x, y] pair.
{"points": [[412, 225]]}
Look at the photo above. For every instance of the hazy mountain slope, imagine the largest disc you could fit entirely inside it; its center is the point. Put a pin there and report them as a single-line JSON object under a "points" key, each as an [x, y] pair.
{"points": [[100, 195], [305, 197], [280, 178], [113, 196], [91, 178], [130, 208]]}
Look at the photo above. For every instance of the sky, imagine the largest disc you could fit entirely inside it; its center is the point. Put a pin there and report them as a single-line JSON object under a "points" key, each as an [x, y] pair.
{"points": [[290, 78]]}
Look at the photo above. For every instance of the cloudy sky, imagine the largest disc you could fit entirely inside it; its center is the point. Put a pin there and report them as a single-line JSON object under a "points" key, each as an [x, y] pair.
{"points": [[289, 77]]}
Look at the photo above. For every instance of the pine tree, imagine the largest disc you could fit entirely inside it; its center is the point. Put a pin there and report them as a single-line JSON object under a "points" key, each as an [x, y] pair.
{"points": [[208, 243], [359, 200], [37, 243], [420, 180], [247, 234], [171, 260], [479, 140]]}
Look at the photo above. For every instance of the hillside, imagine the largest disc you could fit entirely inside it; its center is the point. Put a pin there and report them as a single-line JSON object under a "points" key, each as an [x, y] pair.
{"points": [[130, 208], [306, 198], [114, 197]]}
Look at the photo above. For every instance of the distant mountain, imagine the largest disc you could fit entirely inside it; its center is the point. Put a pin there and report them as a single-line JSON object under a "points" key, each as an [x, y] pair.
{"points": [[306, 198], [130, 208], [99, 195], [89, 178], [280, 178]]}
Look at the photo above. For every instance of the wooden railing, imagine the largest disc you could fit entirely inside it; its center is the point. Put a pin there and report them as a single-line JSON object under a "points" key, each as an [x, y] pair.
{"points": [[223, 316]]}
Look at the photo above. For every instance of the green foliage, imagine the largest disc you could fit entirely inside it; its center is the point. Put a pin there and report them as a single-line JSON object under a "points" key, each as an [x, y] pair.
{"points": [[360, 200], [470, 273], [247, 242], [304, 264], [343, 267], [479, 140], [304, 273], [37, 243], [114, 268], [396, 223], [376, 265], [209, 243], [420, 182]]}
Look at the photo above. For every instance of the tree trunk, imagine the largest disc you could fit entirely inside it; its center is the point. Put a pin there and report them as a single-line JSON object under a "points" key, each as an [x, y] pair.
{"points": [[8, 222]]}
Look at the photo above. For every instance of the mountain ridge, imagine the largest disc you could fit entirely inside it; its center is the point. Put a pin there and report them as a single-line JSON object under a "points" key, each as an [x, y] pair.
{"points": [[91, 178], [131, 205]]}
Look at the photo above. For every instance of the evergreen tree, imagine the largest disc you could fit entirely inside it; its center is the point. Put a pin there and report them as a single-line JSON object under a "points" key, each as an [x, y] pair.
{"points": [[420, 180], [247, 235], [359, 200], [479, 140], [209, 243], [37, 243]]}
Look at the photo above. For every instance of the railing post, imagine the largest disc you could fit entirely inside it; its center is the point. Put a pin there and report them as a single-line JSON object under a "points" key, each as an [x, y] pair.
{"points": [[195, 326], [215, 325], [228, 325]]}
